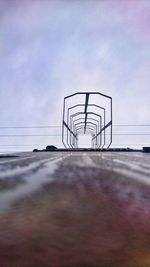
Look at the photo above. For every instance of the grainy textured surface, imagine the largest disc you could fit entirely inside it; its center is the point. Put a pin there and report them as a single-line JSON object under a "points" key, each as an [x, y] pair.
{"points": [[75, 209]]}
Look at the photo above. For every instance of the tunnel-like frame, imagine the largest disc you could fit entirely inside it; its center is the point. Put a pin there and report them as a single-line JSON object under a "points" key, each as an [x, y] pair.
{"points": [[69, 124]]}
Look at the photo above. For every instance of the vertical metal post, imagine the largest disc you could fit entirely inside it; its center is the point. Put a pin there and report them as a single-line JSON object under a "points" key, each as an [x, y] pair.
{"points": [[85, 110], [63, 125]]}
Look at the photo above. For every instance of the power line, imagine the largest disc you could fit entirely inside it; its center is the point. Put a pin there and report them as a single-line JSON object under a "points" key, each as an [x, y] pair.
{"points": [[25, 135], [48, 135], [130, 134], [58, 126], [59, 144], [25, 145], [131, 125], [29, 127]]}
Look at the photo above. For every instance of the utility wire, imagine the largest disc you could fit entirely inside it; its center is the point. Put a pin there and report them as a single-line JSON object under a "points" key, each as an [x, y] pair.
{"points": [[58, 126], [25, 135], [29, 127], [59, 144], [48, 135], [131, 125]]}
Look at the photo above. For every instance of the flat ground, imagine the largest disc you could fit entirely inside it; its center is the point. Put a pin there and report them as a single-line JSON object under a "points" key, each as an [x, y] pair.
{"points": [[60, 209]]}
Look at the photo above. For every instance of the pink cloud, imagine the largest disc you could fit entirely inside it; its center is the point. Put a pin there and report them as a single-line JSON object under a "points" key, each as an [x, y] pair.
{"points": [[137, 15]]}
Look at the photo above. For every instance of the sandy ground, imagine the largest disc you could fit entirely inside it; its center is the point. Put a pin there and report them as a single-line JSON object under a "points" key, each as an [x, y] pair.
{"points": [[71, 210]]}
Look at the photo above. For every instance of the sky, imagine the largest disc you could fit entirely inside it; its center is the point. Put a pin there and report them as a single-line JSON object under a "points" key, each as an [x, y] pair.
{"points": [[53, 48]]}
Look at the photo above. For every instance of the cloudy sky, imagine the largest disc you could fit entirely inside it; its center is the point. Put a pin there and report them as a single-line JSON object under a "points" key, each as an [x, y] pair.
{"points": [[50, 48]]}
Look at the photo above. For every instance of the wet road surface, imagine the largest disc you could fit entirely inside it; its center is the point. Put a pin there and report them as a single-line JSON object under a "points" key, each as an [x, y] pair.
{"points": [[61, 209]]}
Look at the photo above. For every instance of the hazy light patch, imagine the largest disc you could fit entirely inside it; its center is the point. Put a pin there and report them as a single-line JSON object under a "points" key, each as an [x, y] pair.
{"points": [[84, 140], [50, 49]]}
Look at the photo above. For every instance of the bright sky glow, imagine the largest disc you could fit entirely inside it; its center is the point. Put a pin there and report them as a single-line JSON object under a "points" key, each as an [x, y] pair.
{"points": [[49, 49]]}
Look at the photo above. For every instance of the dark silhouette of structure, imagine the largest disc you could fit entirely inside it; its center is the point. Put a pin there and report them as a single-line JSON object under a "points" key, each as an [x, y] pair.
{"points": [[88, 113], [85, 116]]}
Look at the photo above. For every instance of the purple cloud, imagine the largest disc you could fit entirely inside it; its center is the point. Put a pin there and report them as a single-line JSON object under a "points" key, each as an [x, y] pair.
{"points": [[49, 49]]}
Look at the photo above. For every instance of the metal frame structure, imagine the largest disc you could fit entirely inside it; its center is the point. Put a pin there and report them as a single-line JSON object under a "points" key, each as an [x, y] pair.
{"points": [[99, 127], [82, 105], [95, 129], [79, 122], [92, 113]]}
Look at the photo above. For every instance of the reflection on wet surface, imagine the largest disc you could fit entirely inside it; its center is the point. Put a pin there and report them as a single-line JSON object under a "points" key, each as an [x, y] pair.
{"points": [[10, 184], [76, 210], [18, 179]]}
